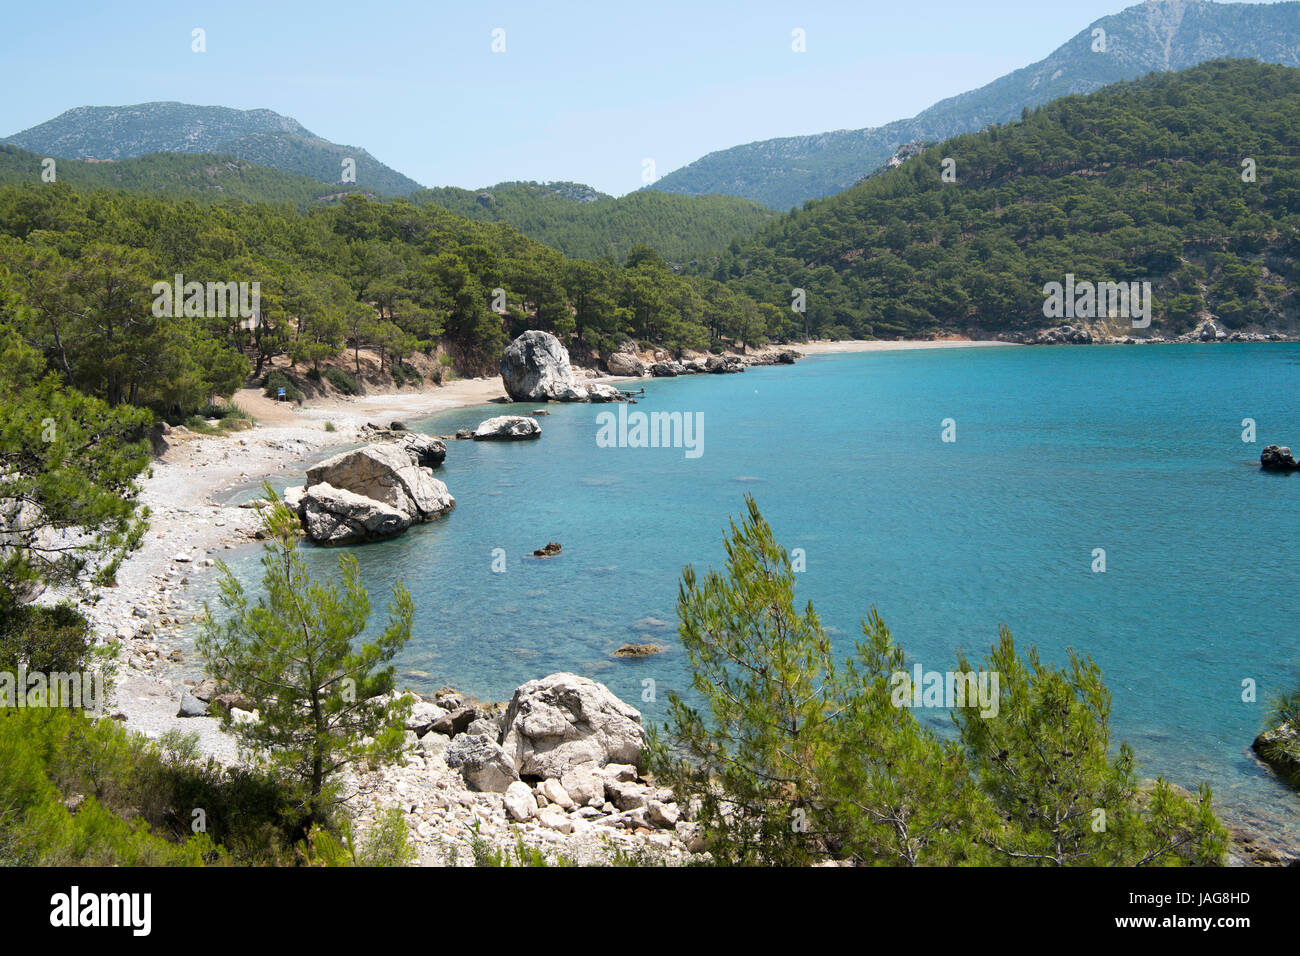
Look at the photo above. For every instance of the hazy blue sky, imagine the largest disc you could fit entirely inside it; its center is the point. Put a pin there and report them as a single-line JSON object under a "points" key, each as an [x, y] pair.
{"points": [[583, 91]]}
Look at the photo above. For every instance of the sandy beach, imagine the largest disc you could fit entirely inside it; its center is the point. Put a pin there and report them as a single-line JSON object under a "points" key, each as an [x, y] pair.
{"points": [[861, 345]]}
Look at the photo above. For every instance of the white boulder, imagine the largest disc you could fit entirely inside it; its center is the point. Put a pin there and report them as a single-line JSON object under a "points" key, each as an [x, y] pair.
{"points": [[564, 720]]}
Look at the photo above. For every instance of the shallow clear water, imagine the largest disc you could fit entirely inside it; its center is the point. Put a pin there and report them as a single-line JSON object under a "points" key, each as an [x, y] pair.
{"points": [[1059, 451]]}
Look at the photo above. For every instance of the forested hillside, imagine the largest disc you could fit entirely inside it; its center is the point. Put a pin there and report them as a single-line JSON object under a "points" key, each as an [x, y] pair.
{"points": [[1189, 180], [203, 177], [384, 275], [585, 224], [1157, 35]]}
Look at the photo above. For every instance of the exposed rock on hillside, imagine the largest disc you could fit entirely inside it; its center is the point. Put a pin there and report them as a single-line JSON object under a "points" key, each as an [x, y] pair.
{"points": [[625, 364]]}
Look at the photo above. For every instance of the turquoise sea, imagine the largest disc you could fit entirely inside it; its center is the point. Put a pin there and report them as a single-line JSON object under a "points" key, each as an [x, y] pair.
{"points": [[1058, 451]]}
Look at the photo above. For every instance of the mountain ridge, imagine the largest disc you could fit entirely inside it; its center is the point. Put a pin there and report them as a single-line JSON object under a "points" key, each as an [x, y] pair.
{"points": [[260, 136], [1159, 35]]}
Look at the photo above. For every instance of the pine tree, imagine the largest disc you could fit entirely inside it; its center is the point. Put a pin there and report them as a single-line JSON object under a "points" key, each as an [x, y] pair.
{"points": [[1045, 761], [764, 669], [322, 703], [898, 795]]}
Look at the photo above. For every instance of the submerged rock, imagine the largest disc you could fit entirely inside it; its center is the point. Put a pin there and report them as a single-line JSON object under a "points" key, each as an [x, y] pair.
{"points": [[638, 650]]}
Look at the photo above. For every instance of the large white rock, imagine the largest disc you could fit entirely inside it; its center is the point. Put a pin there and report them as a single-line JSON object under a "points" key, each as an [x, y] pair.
{"points": [[334, 516], [520, 802], [562, 721], [428, 452], [387, 474], [372, 492], [508, 428], [535, 368]]}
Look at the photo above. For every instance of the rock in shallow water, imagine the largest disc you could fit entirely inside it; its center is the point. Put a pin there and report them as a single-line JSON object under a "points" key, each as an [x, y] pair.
{"points": [[387, 474], [638, 650], [371, 493], [508, 428], [1277, 458]]}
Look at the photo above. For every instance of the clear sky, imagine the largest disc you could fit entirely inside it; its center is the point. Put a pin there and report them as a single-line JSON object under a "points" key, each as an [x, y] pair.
{"points": [[582, 92]]}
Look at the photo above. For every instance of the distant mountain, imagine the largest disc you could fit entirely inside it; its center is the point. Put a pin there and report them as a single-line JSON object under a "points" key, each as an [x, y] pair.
{"points": [[203, 177], [1154, 36], [258, 136], [586, 224]]}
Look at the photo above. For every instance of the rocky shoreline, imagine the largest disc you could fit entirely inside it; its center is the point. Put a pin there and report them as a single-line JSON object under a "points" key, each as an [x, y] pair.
{"points": [[145, 614], [1205, 332]]}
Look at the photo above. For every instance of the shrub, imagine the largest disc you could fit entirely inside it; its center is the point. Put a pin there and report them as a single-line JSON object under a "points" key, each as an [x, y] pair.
{"points": [[44, 639], [274, 381], [342, 381]]}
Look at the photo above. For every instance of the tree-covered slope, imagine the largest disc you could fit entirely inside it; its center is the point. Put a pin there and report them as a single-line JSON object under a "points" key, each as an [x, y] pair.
{"points": [[180, 176], [1162, 35], [1140, 181], [259, 136], [586, 224], [390, 277]]}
